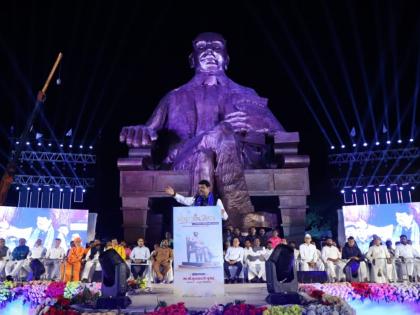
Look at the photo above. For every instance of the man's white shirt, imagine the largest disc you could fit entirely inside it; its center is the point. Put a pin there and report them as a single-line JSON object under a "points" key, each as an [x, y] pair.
{"points": [[55, 253], [140, 253], [330, 252], [406, 251], [235, 253], [37, 252], [189, 201]]}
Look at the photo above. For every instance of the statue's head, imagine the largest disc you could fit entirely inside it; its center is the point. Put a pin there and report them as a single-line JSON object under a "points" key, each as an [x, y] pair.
{"points": [[209, 53]]}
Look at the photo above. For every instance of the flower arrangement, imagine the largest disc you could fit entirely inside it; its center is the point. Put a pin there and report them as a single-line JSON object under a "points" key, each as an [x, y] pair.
{"points": [[137, 284], [60, 306], [284, 310], [174, 309], [55, 289], [389, 292]]}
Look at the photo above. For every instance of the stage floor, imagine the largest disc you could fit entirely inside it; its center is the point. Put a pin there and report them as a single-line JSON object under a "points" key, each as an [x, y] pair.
{"points": [[251, 293]]}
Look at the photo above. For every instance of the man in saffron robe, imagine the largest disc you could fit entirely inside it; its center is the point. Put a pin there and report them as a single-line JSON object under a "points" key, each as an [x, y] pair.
{"points": [[74, 261]]}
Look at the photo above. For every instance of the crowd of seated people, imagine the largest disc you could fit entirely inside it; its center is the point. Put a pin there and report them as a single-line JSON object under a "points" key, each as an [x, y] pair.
{"points": [[244, 258], [380, 264]]}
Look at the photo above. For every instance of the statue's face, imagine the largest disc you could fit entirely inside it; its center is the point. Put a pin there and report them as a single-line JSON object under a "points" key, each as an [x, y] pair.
{"points": [[209, 53]]}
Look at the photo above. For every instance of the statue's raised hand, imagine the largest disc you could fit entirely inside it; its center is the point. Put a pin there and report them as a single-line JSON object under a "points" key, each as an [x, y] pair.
{"points": [[239, 121], [136, 136]]}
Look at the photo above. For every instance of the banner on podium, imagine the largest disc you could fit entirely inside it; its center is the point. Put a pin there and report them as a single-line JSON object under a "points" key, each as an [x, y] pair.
{"points": [[198, 251]]}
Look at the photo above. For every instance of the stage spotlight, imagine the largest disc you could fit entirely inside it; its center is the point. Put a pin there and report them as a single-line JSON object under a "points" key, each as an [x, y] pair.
{"points": [[411, 140], [17, 188], [353, 190], [388, 189], [72, 190], [39, 188], [80, 146], [90, 147], [364, 144], [399, 141], [27, 143], [354, 145], [332, 147], [377, 143], [28, 188], [70, 146], [412, 187], [39, 144], [61, 189], [342, 191], [388, 142], [365, 190], [17, 142], [84, 190], [61, 145], [51, 189], [377, 189], [49, 144], [343, 146], [401, 188]]}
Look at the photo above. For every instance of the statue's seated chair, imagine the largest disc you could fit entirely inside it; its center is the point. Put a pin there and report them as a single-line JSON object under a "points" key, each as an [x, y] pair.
{"points": [[285, 177]]}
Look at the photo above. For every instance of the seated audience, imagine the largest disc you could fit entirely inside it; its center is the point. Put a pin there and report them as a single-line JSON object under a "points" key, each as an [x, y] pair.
{"points": [[74, 261], [234, 257], [139, 257], [118, 248], [4, 255], [255, 260], [252, 235], [269, 250], [19, 254], [262, 236], [168, 237], [33, 264], [331, 256], [126, 248], [237, 233], [378, 255], [275, 239], [92, 261], [54, 257], [405, 254], [162, 260], [354, 260], [309, 259]]}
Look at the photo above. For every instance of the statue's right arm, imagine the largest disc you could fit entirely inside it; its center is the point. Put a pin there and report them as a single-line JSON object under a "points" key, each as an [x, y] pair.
{"points": [[143, 135]]}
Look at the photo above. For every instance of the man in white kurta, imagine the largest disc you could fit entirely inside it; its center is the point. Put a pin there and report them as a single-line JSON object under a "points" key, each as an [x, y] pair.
{"points": [[54, 257], [405, 259], [378, 255], [332, 258], [308, 255], [255, 260]]}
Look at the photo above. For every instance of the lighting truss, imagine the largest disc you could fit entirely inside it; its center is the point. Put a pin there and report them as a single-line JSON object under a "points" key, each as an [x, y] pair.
{"points": [[53, 181], [57, 157], [371, 156], [412, 179]]}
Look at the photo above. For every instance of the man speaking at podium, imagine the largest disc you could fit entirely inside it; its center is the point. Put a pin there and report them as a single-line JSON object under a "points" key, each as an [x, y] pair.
{"points": [[204, 197]]}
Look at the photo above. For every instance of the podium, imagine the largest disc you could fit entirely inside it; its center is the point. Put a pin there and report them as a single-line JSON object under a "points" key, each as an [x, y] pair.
{"points": [[198, 244]]}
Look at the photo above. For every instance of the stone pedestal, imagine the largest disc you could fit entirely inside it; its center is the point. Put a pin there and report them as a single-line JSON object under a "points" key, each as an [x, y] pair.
{"points": [[137, 186]]}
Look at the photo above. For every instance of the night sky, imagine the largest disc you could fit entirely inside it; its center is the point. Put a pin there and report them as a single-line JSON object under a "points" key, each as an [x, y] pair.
{"points": [[312, 59]]}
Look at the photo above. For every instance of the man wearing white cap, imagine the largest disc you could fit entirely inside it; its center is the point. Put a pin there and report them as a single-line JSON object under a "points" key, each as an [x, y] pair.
{"points": [[308, 255]]}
